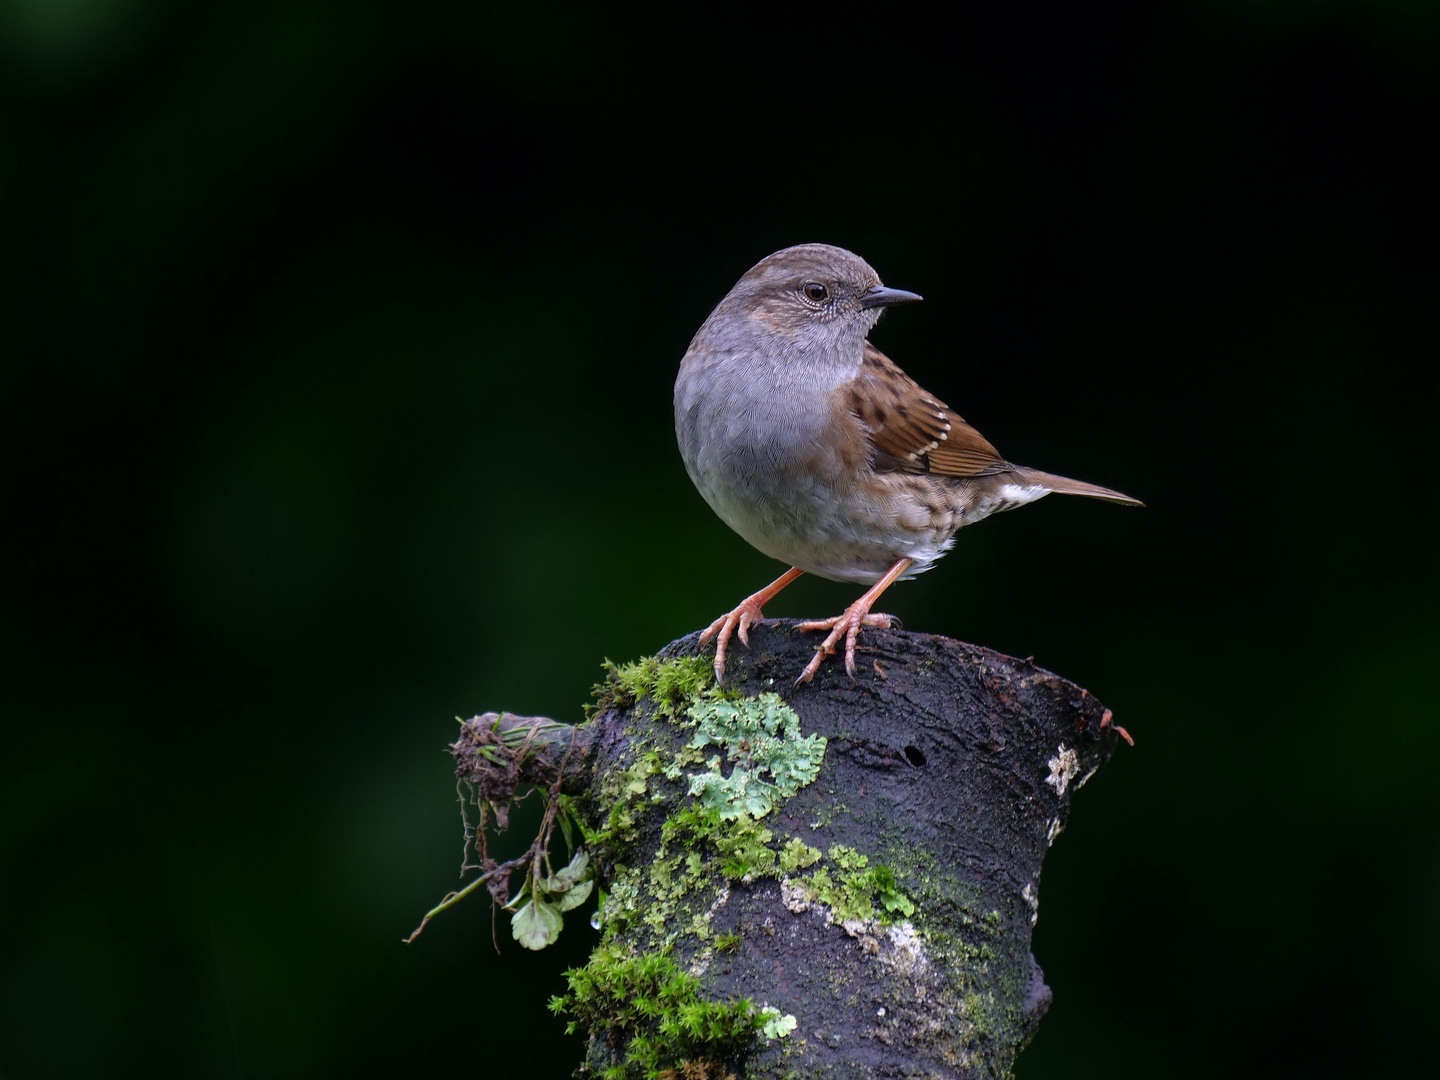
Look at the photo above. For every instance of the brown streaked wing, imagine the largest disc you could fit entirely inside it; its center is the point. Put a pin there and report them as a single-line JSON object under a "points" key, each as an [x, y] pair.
{"points": [[919, 433]]}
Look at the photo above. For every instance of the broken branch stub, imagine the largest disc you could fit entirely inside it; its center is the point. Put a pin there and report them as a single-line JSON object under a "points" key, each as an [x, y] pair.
{"points": [[858, 860], [498, 752]]}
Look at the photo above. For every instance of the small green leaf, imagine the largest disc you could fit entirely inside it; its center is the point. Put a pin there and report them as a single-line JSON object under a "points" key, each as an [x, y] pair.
{"points": [[576, 871], [580, 893], [536, 925]]}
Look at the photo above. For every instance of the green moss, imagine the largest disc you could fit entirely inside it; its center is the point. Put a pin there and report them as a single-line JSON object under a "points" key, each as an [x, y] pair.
{"points": [[669, 684], [961, 934], [650, 1015], [797, 855], [619, 802], [740, 844], [620, 799], [699, 854], [855, 888]]}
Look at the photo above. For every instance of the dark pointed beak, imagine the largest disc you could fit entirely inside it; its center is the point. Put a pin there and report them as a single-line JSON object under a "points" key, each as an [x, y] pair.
{"points": [[880, 296]]}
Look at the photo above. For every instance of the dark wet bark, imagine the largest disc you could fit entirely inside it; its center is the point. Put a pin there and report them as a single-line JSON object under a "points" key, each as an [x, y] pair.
{"points": [[951, 766]]}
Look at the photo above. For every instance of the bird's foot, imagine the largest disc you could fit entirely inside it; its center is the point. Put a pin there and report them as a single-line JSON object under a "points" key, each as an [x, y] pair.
{"points": [[745, 615], [846, 626]]}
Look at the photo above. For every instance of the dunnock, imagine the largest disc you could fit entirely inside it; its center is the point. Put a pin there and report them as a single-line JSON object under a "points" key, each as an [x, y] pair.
{"points": [[817, 449]]}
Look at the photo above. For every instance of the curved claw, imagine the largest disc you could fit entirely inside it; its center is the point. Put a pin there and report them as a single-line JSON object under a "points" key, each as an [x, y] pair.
{"points": [[744, 627], [722, 628], [855, 616], [746, 614], [847, 624]]}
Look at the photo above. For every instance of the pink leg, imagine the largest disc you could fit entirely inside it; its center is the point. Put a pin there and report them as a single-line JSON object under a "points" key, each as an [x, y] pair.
{"points": [[848, 624], [747, 613], [1108, 720]]}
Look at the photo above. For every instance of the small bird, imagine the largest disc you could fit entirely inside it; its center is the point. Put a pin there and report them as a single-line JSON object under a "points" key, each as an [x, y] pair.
{"points": [[816, 448]]}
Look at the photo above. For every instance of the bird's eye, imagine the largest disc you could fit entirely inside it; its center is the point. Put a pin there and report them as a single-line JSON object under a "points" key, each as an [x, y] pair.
{"points": [[817, 292]]}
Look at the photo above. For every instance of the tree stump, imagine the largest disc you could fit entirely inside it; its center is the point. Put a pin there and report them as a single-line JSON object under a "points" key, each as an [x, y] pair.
{"points": [[858, 862]]}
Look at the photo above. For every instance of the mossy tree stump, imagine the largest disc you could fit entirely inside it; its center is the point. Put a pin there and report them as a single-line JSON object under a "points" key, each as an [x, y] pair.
{"points": [[861, 856]]}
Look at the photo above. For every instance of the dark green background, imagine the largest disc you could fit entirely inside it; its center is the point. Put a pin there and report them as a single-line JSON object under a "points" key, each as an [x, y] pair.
{"points": [[338, 349]]}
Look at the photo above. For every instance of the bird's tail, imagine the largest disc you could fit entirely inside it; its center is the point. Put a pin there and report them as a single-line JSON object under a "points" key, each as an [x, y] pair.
{"points": [[1065, 486]]}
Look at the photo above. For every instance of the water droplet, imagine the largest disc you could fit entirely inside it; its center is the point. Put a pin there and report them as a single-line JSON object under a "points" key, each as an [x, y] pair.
{"points": [[595, 920]]}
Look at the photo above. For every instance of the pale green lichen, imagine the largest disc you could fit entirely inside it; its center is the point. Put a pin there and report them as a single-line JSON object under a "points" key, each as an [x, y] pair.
{"points": [[774, 1025], [717, 835], [757, 735]]}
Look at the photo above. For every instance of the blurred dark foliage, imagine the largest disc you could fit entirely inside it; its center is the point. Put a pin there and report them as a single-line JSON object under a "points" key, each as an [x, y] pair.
{"points": [[338, 347]]}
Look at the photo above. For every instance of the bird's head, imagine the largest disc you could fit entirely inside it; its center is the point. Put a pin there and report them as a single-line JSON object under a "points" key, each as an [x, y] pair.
{"points": [[813, 294]]}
